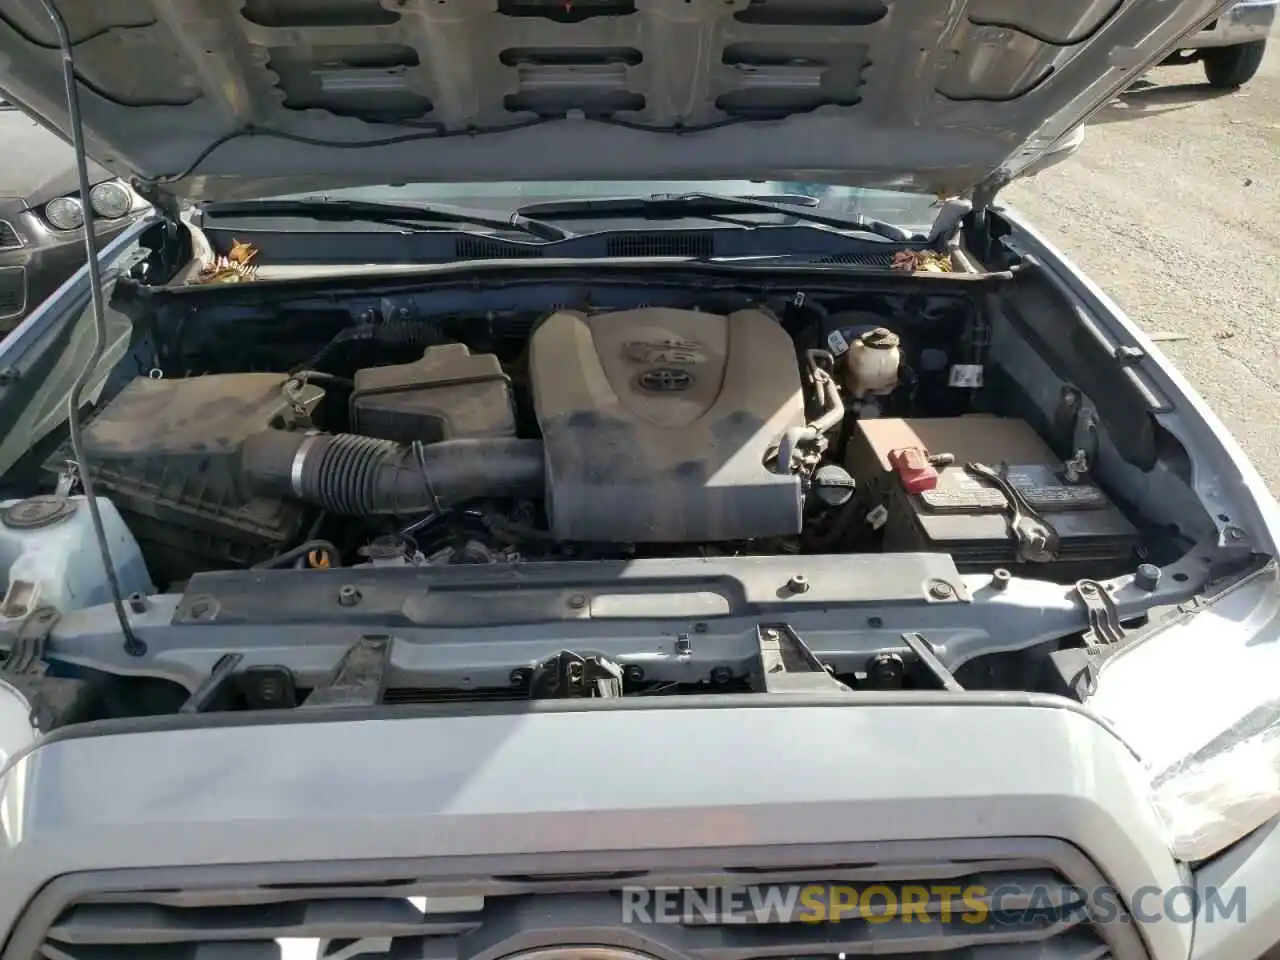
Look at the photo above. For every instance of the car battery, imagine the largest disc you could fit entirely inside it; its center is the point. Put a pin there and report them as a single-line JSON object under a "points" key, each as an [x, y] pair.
{"points": [[918, 496]]}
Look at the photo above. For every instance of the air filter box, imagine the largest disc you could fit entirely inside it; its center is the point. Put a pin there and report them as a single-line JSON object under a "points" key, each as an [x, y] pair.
{"points": [[968, 518], [449, 394], [166, 452]]}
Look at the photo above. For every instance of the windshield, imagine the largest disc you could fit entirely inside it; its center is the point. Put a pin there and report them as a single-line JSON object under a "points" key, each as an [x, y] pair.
{"points": [[912, 211]]}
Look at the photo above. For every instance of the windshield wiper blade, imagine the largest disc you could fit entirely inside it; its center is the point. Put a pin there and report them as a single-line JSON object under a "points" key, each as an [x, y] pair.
{"points": [[372, 211], [668, 206]]}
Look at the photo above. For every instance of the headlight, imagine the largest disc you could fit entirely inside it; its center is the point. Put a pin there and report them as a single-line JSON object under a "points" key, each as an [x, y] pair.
{"points": [[1198, 702], [64, 213], [110, 200]]}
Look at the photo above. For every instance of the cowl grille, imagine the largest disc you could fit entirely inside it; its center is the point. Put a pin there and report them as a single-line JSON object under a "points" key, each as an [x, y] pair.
{"points": [[484, 248], [661, 244], [860, 259], [498, 915]]}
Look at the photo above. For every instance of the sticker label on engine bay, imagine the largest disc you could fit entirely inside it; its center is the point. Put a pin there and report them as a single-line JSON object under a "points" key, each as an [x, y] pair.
{"points": [[966, 376], [837, 342], [958, 492]]}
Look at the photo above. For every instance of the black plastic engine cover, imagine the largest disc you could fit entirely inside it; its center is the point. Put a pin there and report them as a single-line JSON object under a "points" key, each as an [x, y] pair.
{"points": [[656, 424]]}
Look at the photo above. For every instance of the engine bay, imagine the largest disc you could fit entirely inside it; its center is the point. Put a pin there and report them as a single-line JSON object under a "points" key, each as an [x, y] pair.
{"points": [[589, 489], [606, 434]]}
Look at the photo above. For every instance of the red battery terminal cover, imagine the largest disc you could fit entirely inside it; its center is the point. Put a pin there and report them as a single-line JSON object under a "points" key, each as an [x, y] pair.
{"points": [[914, 469]]}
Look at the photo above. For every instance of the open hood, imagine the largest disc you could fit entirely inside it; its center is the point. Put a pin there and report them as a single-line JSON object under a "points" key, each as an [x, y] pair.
{"points": [[46, 166], [242, 98]]}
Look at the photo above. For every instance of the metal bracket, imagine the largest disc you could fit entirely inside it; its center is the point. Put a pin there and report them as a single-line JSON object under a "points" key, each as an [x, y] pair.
{"points": [[1102, 635], [359, 680], [207, 693], [787, 665], [570, 675], [68, 479], [923, 650], [53, 701], [26, 655], [1104, 618], [1128, 355], [1075, 424], [1076, 470]]}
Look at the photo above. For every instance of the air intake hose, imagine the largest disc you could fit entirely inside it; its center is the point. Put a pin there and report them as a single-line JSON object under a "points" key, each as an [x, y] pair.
{"points": [[361, 476]]}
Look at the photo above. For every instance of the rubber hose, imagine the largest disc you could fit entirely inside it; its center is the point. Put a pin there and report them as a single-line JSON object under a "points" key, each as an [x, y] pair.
{"points": [[361, 476], [299, 552], [395, 333]]}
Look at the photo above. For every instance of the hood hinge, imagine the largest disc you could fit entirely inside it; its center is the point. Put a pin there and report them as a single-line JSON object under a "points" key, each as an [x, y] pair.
{"points": [[945, 232], [165, 203], [982, 199], [984, 194]]}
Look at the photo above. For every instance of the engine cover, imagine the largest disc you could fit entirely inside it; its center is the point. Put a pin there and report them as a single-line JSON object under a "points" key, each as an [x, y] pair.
{"points": [[656, 424]]}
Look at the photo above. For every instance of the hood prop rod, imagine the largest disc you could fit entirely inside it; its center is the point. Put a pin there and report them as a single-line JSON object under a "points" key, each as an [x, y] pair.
{"points": [[132, 644]]}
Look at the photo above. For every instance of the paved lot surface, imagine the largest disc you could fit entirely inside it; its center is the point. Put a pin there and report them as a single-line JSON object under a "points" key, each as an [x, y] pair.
{"points": [[1172, 205]]}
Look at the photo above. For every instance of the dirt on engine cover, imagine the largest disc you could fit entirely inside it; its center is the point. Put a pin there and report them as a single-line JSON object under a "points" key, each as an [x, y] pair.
{"points": [[656, 424]]}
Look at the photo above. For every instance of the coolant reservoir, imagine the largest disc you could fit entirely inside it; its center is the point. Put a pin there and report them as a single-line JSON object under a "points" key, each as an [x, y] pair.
{"points": [[49, 556], [872, 363]]}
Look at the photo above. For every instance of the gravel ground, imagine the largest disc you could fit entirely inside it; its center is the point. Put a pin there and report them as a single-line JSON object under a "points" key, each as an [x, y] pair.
{"points": [[1172, 205]]}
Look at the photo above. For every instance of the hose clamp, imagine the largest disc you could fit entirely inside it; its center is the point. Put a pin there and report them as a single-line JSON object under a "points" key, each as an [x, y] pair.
{"points": [[299, 461]]}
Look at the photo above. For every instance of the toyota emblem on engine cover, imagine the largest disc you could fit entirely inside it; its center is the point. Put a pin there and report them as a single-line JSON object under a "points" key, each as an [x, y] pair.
{"points": [[665, 380]]}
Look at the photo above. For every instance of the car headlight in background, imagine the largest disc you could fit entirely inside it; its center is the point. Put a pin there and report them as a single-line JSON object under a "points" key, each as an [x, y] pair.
{"points": [[64, 213], [1197, 701], [111, 200]]}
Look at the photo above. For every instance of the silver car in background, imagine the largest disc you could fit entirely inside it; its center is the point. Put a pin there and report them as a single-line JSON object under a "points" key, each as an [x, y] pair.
{"points": [[1231, 47]]}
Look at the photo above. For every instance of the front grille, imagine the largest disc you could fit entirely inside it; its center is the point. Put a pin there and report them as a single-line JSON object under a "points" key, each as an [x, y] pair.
{"points": [[13, 291], [404, 915], [8, 236]]}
